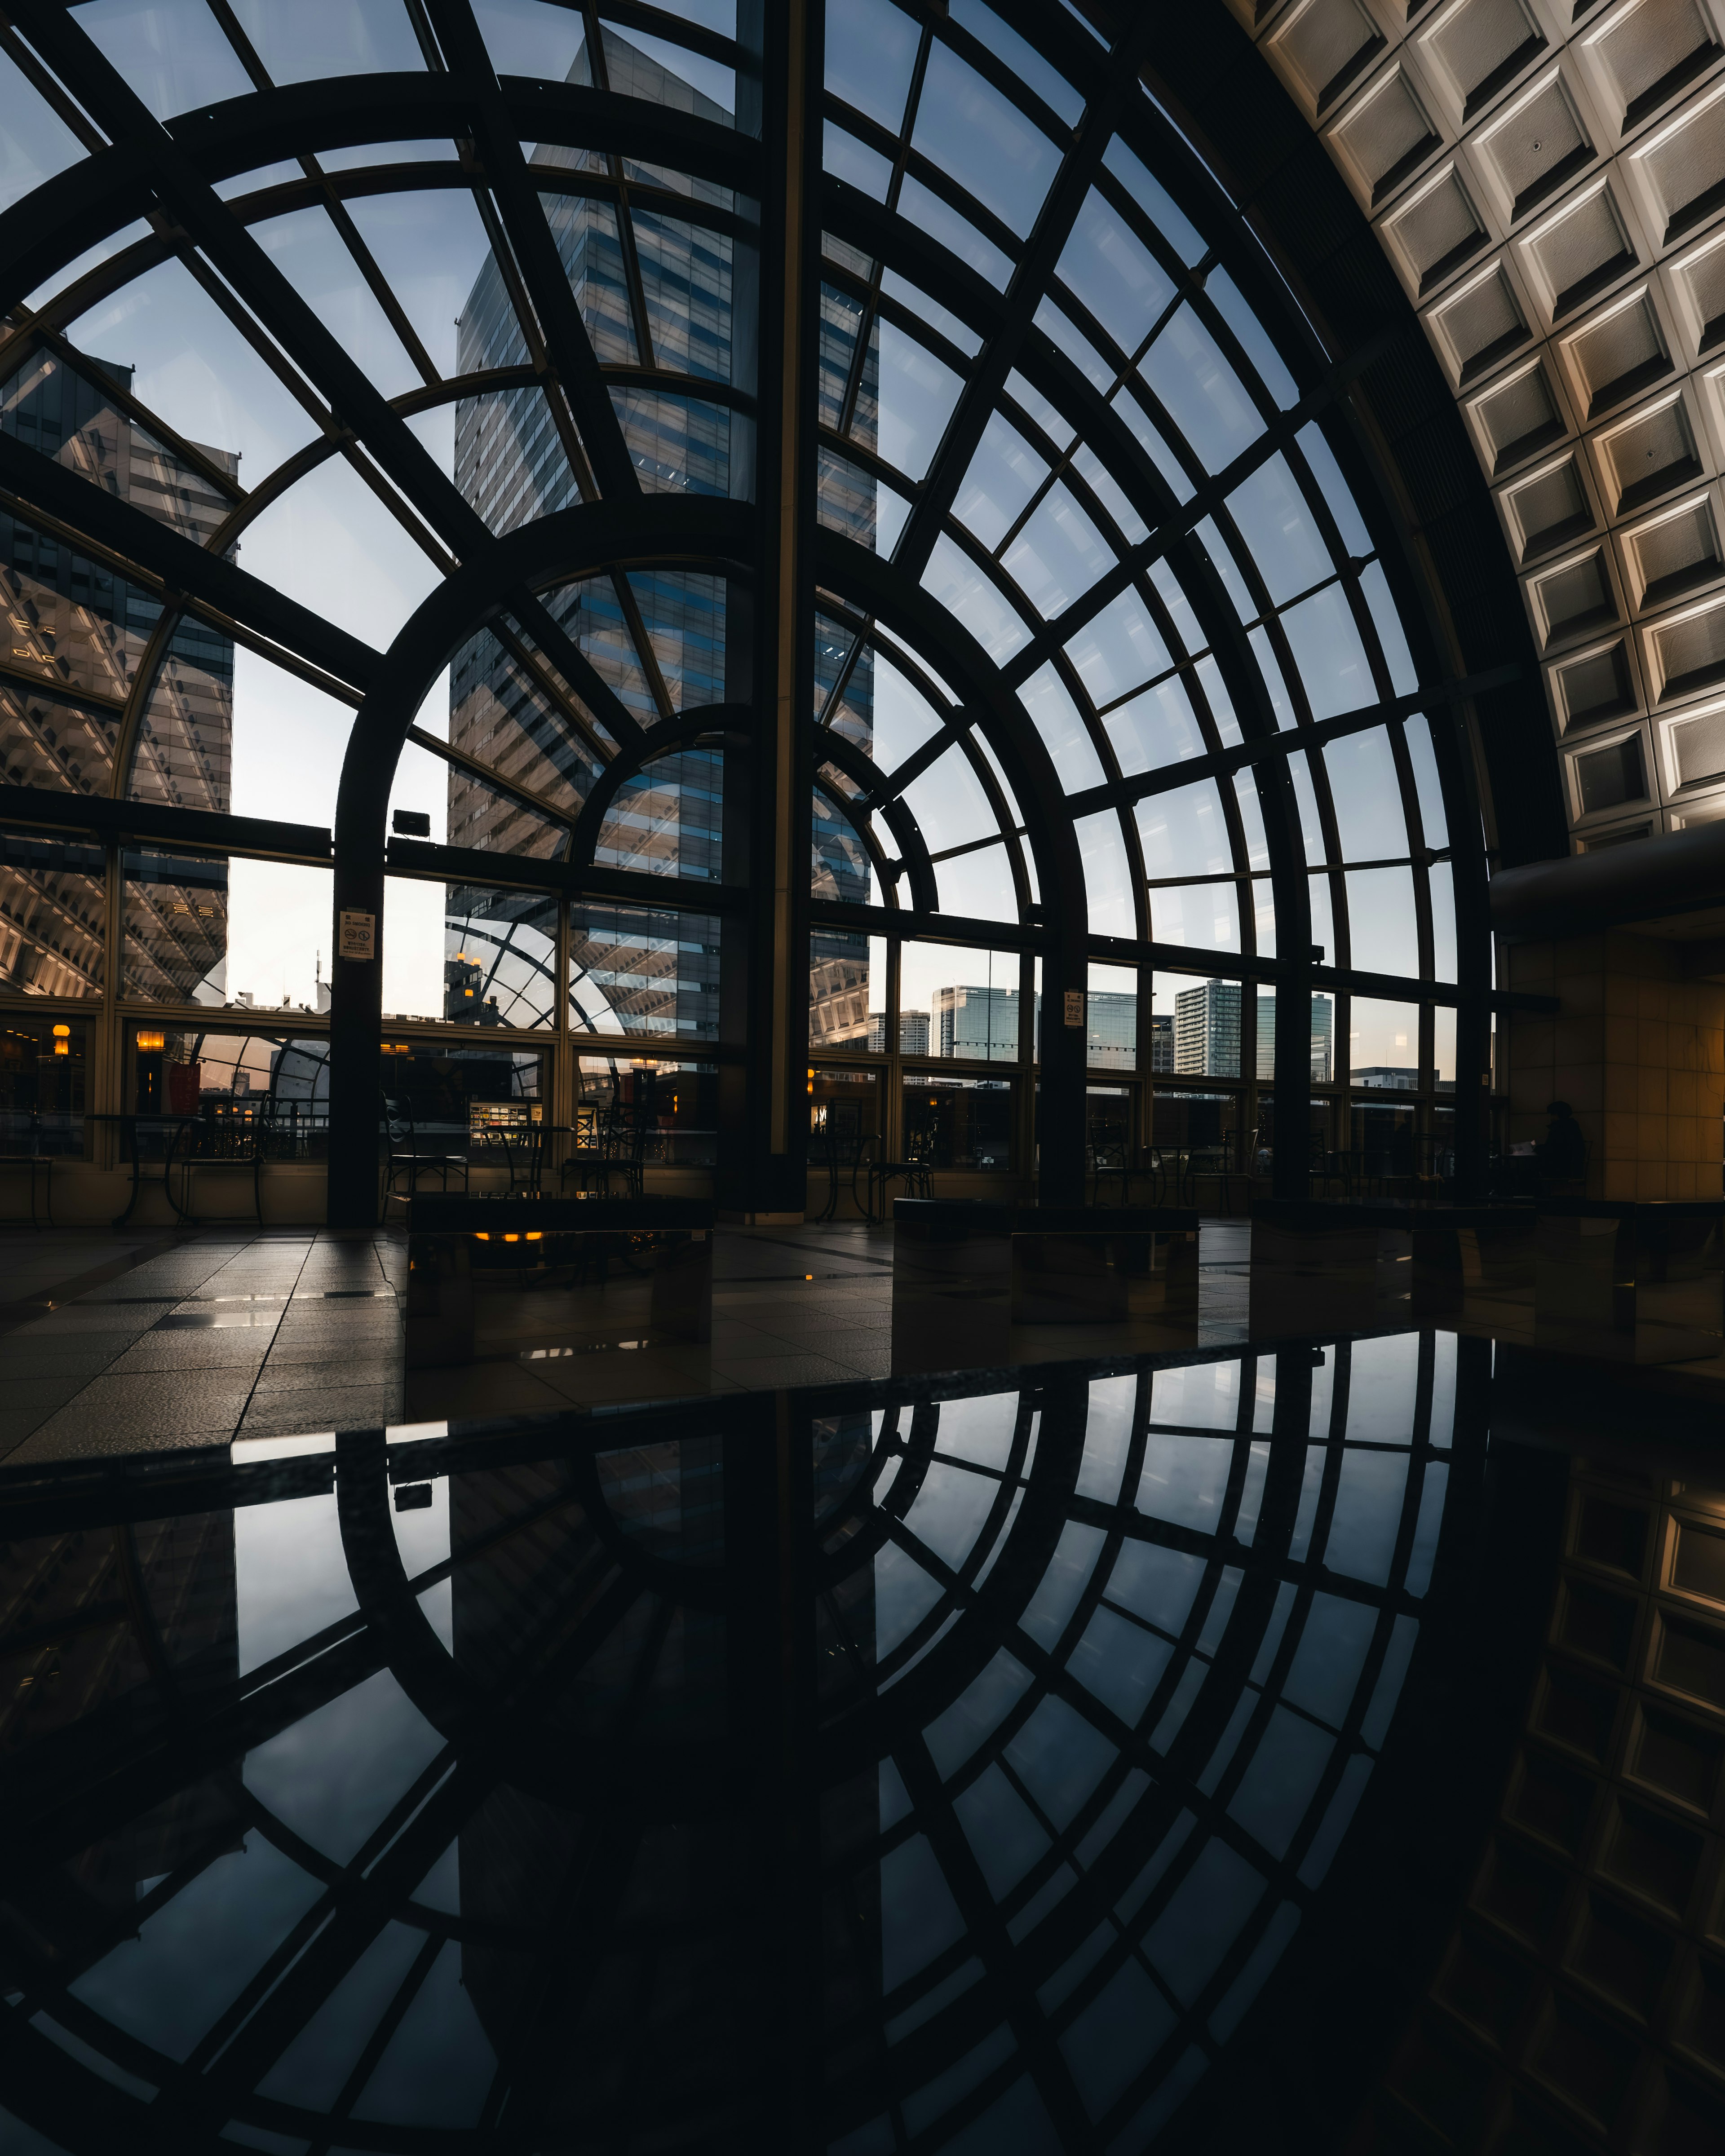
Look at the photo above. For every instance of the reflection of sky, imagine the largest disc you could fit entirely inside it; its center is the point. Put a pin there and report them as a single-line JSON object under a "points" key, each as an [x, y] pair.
{"points": [[1166, 1651]]}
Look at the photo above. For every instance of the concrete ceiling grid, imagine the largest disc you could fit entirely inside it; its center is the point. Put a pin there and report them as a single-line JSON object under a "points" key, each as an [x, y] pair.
{"points": [[1547, 178]]}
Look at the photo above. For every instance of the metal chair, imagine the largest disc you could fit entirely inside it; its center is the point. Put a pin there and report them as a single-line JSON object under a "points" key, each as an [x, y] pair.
{"points": [[405, 1162]]}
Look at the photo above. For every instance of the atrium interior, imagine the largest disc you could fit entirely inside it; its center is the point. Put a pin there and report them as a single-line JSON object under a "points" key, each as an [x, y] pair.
{"points": [[862, 1077]]}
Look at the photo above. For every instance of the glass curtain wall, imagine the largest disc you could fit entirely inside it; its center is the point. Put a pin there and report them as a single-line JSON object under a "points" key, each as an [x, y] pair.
{"points": [[1100, 563]]}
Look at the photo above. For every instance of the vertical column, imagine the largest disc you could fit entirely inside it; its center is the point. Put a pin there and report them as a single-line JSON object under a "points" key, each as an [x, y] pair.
{"points": [[778, 89]]}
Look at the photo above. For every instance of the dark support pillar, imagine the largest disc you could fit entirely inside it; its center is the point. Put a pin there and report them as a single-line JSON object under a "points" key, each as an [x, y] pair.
{"points": [[357, 999], [1061, 1108], [778, 99]]}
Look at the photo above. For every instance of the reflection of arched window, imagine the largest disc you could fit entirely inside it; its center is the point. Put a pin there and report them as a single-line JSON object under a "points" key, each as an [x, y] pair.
{"points": [[408, 1768]]}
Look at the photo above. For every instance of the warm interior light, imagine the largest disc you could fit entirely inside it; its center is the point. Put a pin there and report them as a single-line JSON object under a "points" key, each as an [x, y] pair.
{"points": [[481, 1235], [151, 1042], [63, 1033], [512, 1239], [536, 1235]]}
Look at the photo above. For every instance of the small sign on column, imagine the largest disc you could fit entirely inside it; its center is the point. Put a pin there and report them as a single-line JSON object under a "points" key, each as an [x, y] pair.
{"points": [[358, 936], [1075, 1007]]}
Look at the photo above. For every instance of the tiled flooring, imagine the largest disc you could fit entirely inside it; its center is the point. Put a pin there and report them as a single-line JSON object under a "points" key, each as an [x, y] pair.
{"points": [[112, 1343]]}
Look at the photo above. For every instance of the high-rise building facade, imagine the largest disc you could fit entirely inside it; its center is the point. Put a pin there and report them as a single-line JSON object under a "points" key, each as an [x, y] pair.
{"points": [[979, 1022], [912, 1032], [1206, 1031], [78, 634], [1323, 1039]]}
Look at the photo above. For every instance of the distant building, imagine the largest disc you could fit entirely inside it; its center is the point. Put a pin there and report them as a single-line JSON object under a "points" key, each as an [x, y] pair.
{"points": [[1162, 1042], [1323, 1037], [1207, 1031], [979, 1022], [912, 1032], [1389, 1077], [1112, 1030]]}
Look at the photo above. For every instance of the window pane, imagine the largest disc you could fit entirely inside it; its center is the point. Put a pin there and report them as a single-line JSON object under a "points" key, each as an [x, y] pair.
{"points": [[678, 1103], [1111, 1018], [1205, 915], [44, 1066], [916, 396], [494, 964], [1280, 532], [1383, 935], [1200, 392], [1117, 650], [1383, 1044], [1184, 833], [1108, 267], [870, 50], [840, 987], [948, 803], [1108, 875], [976, 599], [53, 897], [971, 998], [996, 491], [1329, 655], [1065, 735], [636, 972], [1367, 797], [958, 1122], [174, 928], [1157, 728], [979, 885], [968, 129]]}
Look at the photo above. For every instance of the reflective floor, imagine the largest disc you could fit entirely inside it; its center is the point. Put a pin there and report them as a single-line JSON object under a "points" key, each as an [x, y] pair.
{"points": [[1318, 1750]]}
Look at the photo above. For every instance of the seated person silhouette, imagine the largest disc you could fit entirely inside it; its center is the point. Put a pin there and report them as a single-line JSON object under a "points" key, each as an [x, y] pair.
{"points": [[1563, 1151]]}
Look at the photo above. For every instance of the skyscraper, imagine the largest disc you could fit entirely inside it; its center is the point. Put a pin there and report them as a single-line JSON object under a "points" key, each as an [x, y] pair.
{"points": [[1207, 1031], [77, 635], [654, 290]]}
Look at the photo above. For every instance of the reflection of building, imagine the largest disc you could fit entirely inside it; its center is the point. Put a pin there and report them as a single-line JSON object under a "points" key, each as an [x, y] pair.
{"points": [[1323, 1036], [86, 1621], [1207, 1030], [464, 997], [976, 1022], [912, 1032], [76, 635]]}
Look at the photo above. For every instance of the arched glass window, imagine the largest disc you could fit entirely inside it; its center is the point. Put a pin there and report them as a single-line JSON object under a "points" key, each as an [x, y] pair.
{"points": [[970, 509]]}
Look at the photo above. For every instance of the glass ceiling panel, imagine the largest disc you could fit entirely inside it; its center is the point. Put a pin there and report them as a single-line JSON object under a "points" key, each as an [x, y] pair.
{"points": [[1058, 553], [431, 247], [170, 52], [1112, 272], [531, 38], [870, 53], [1004, 474], [1118, 649], [296, 39], [1156, 203], [1200, 392], [35, 143], [949, 804], [1017, 54], [1279, 531], [1184, 833], [309, 252], [1329, 655], [1064, 733], [917, 393], [930, 212], [971, 131], [976, 601], [1157, 728]]}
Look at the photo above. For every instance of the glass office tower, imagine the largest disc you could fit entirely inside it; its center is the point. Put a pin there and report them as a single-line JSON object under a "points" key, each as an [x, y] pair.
{"points": [[77, 635]]}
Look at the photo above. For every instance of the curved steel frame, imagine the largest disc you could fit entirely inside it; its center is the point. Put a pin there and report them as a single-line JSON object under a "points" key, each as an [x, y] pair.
{"points": [[771, 549]]}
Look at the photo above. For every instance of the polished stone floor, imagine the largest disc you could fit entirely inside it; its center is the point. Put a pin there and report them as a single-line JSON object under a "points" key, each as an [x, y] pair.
{"points": [[112, 1342], [1304, 1748]]}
